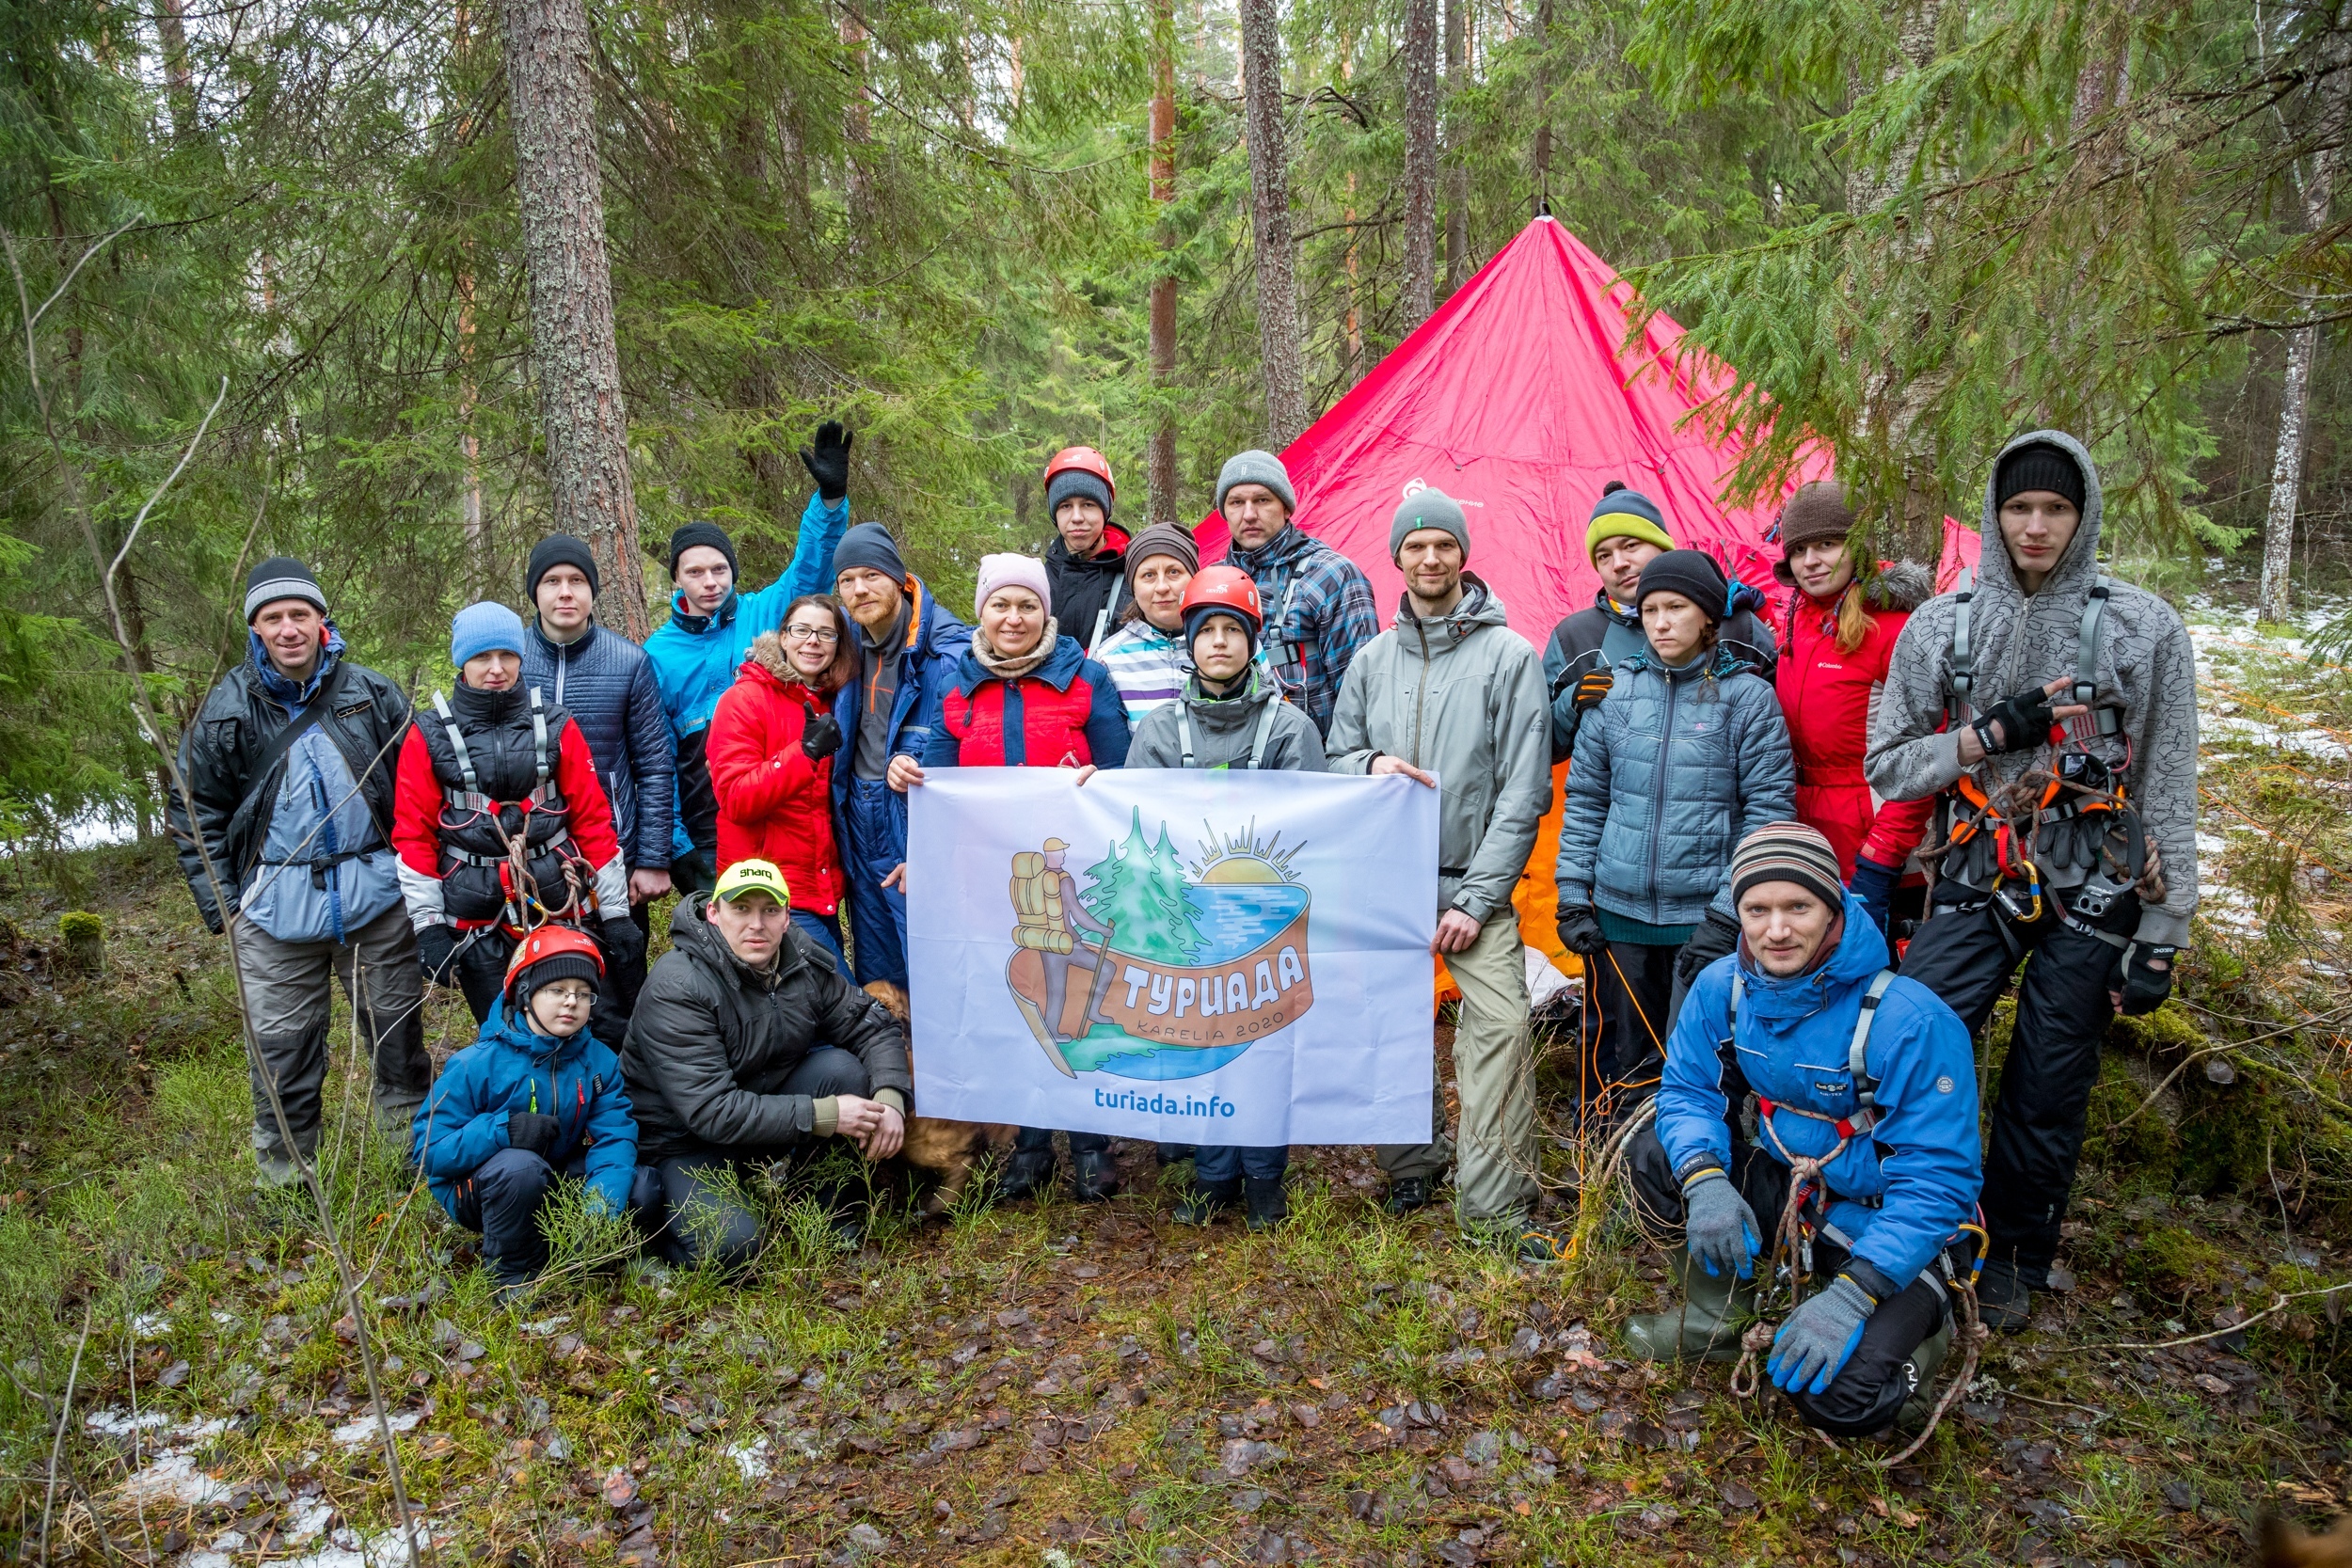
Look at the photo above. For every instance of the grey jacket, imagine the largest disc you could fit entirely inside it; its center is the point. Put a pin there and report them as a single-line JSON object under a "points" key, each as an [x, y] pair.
{"points": [[2146, 667], [1461, 695], [1671, 771], [1224, 730]]}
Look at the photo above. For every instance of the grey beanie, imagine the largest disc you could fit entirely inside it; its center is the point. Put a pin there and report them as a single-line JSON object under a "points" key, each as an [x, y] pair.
{"points": [[1428, 508], [1256, 467]]}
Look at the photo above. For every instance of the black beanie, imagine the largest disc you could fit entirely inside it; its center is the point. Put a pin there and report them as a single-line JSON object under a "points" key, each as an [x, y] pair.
{"points": [[869, 546], [2037, 465], [562, 966], [562, 550], [707, 535], [282, 576], [1692, 573]]}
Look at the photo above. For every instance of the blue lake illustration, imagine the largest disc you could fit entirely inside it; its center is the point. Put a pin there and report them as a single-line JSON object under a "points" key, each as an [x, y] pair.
{"points": [[1236, 918]]}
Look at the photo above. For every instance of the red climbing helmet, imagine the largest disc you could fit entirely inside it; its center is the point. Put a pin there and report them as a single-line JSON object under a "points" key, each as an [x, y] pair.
{"points": [[1085, 459], [552, 942], [1224, 588]]}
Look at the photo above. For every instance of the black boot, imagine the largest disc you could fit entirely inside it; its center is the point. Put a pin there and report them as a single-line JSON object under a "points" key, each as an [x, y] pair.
{"points": [[1268, 1208], [1028, 1171], [1093, 1175], [2004, 1301], [1205, 1200], [1408, 1193]]}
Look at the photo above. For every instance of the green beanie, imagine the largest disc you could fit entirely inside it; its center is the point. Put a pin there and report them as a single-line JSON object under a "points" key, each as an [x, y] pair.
{"points": [[1623, 513]]}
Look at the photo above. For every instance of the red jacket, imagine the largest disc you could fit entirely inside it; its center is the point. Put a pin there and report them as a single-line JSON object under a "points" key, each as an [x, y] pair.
{"points": [[1828, 696], [1064, 713], [774, 803]]}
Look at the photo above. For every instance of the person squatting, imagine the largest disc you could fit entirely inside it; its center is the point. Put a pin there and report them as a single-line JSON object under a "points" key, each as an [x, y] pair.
{"points": [[1805, 846]]}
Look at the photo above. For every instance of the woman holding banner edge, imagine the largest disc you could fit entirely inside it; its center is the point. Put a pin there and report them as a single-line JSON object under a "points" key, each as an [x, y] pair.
{"points": [[1027, 696]]}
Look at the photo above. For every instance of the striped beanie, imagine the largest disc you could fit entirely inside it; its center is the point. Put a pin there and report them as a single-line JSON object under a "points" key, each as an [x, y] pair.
{"points": [[1787, 852]]}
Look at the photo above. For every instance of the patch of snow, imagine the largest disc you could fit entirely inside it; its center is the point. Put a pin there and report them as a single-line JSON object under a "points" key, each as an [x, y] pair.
{"points": [[362, 1428], [752, 1459], [151, 1325], [309, 1520], [116, 1421], [174, 1478]]}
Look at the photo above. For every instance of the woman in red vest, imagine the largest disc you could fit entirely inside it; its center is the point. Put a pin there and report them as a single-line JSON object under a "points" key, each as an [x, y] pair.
{"points": [[1833, 651], [772, 746], [1025, 696]]}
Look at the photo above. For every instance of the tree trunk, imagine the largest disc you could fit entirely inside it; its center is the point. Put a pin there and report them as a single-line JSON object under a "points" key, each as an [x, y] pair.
{"points": [[1162, 463], [1543, 108], [2286, 466], [179, 88], [1421, 161], [1456, 171], [1270, 225], [857, 129], [552, 100]]}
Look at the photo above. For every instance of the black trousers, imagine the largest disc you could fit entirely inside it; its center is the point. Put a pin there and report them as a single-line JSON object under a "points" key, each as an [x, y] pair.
{"points": [[2063, 1014], [1039, 1140], [705, 1217], [1627, 988], [1871, 1390], [501, 1200]]}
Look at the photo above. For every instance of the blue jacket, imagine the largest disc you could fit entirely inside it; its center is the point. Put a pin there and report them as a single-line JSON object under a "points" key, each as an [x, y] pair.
{"points": [[1898, 1194], [935, 644], [608, 683], [695, 657], [511, 1067], [1671, 771]]}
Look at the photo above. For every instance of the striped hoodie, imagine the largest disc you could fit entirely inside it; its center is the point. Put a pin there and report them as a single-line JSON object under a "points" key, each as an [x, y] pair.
{"points": [[1146, 664]]}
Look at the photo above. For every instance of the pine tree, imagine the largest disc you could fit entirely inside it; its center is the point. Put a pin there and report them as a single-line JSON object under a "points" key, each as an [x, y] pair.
{"points": [[1138, 890]]}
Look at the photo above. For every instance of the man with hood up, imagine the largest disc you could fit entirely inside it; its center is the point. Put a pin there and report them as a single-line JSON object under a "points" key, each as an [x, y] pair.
{"points": [[1451, 696], [2052, 714]]}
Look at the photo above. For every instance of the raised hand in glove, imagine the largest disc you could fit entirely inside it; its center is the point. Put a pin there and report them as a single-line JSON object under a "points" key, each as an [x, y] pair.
{"points": [[1819, 1337], [436, 953], [1874, 884], [1579, 930], [828, 461], [1718, 1225], [1591, 690], [2147, 979], [529, 1130], [823, 737], [1717, 935], [2017, 724]]}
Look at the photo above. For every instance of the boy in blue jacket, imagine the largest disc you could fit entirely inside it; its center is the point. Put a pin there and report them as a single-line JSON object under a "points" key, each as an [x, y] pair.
{"points": [[1870, 1076], [535, 1097]]}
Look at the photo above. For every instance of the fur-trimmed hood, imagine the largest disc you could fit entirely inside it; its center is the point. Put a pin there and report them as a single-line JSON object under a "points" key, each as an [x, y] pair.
{"points": [[767, 651], [1900, 585]]}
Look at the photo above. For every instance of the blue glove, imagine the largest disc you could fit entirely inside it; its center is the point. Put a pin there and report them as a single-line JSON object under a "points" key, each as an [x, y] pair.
{"points": [[1814, 1345], [1874, 884], [1718, 1225]]}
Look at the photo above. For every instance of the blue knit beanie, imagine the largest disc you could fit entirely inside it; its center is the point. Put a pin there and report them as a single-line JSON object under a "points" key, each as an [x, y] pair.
{"points": [[479, 628]]}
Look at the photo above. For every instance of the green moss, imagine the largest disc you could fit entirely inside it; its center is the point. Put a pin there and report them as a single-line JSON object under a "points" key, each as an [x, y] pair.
{"points": [[2228, 1133], [2143, 1151], [2169, 1031], [2171, 1263], [80, 925]]}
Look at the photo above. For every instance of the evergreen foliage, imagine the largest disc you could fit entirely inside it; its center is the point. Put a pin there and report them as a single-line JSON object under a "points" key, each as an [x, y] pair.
{"points": [[1140, 891]]}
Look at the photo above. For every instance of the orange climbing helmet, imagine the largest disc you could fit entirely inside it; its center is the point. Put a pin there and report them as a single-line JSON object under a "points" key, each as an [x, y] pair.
{"points": [[1081, 460], [1227, 588]]}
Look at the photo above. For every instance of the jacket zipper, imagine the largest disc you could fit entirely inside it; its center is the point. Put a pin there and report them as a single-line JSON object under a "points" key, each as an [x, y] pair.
{"points": [[1658, 804], [1421, 694]]}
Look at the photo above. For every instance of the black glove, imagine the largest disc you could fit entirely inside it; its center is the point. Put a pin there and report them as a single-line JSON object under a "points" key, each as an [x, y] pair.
{"points": [[823, 737], [436, 953], [828, 463], [529, 1130], [623, 943], [2024, 719], [1592, 689], [1579, 930], [2147, 977], [1715, 937]]}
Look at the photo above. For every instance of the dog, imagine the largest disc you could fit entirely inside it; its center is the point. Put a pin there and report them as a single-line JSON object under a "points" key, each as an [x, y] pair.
{"points": [[951, 1151], [2283, 1546]]}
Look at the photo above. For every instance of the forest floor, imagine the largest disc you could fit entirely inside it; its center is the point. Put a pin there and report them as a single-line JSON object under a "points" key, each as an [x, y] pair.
{"points": [[1055, 1385]]}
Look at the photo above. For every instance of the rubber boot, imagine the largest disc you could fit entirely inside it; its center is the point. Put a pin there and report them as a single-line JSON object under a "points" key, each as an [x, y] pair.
{"points": [[1093, 1176], [1926, 1362], [1268, 1208], [1703, 1327], [1027, 1173], [1205, 1200]]}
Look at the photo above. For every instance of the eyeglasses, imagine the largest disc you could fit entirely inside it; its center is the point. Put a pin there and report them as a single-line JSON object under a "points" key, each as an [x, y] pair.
{"points": [[573, 994], [823, 636]]}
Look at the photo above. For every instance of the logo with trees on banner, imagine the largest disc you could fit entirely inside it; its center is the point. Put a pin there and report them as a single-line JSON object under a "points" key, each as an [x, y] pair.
{"points": [[1147, 966]]}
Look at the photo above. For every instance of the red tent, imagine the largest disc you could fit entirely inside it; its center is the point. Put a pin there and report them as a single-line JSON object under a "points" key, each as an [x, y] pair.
{"points": [[1521, 398]]}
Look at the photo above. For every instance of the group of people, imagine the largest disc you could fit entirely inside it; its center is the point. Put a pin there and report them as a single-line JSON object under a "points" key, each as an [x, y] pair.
{"points": [[1767, 814]]}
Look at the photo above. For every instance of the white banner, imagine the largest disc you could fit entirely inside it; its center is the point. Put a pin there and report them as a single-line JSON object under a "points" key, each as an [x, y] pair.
{"points": [[1201, 958]]}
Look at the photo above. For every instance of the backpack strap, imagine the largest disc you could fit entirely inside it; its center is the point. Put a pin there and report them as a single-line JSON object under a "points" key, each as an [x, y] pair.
{"points": [[1857, 1054], [1961, 676], [457, 741], [1265, 730], [1183, 728], [538, 741], [2105, 721]]}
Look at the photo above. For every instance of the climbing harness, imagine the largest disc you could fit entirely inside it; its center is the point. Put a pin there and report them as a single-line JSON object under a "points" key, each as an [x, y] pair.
{"points": [[1961, 676], [1257, 744], [526, 901]]}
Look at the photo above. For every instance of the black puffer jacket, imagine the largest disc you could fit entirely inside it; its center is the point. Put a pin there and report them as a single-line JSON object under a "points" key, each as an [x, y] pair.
{"points": [[365, 718], [712, 1041], [1081, 589]]}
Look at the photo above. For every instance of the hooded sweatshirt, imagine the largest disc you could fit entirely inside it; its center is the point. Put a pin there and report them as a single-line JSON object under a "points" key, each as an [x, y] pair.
{"points": [[2146, 667], [1462, 695]]}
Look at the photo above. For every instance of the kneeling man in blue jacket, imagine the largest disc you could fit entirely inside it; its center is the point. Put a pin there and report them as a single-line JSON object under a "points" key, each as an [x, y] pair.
{"points": [[1802, 1046], [535, 1100]]}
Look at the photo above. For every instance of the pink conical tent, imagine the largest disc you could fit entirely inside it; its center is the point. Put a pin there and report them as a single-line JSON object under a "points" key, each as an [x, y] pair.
{"points": [[1521, 398]]}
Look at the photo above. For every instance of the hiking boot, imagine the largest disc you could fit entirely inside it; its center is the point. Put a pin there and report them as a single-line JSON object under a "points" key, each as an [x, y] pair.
{"points": [[1544, 1244], [1093, 1176], [2004, 1301], [1028, 1171], [1172, 1155], [1268, 1208], [1408, 1193], [1703, 1327], [1205, 1200]]}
